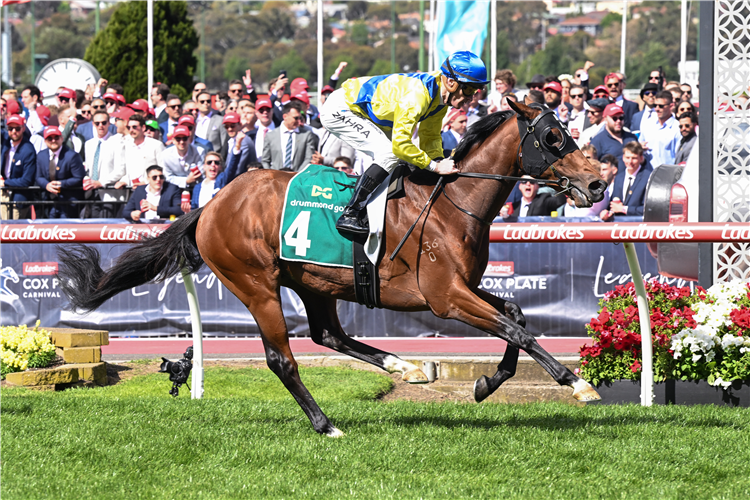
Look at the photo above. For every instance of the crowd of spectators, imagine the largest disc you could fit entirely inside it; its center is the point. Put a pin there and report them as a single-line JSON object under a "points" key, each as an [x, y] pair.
{"points": [[89, 150]]}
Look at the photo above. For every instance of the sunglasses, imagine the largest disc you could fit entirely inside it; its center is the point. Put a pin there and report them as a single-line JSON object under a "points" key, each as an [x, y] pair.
{"points": [[181, 138], [526, 182], [594, 111], [649, 92], [618, 118], [14, 129], [688, 92], [263, 110], [175, 106], [188, 126], [85, 111], [613, 85], [100, 106], [204, 101], [660, 106], [653, 77], [230, 125], [110, 103], [296, 118], [157, 177], [576, 96], [213, 162], [535, 87], [600, 93], [468, 90], [234, 91], [101, 124], [53, 138], [191, 111], [685, 126], [63, 99]]}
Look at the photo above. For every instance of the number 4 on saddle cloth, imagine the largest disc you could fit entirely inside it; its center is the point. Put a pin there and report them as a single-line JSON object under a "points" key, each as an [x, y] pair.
{"points": [[315, 199]]}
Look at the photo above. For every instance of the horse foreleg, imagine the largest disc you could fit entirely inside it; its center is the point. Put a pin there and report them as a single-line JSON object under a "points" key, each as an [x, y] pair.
{"points": [[325, 330], [484, 386], [466, 306]]}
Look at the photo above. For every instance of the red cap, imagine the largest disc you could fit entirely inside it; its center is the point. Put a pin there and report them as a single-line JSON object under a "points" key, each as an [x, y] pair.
{"points": [[600, 87], [16, 120], [152, 112], [181, 131], [612, 110], [554, 86], [263, 102], [110, 95], [610, 76], [13, 107], [186, 119], [327, 88], [120, 98], [231, 117], [43, 113], [51, 130], [123, 113], [139, 105], [298, 84], [302, 96], [67, 93]]}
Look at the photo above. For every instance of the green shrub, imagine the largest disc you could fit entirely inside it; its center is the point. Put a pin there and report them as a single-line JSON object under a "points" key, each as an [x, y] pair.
{"points": [[21, 348]]}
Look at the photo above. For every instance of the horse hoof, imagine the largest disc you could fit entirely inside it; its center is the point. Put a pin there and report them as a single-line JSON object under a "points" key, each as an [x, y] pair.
{"points": [[415, 376], [334, 433], [481, 389], [583, 391]]}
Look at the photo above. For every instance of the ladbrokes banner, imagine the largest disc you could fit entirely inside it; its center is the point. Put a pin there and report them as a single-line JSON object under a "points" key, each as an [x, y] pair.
{"points": [[557, 285]]}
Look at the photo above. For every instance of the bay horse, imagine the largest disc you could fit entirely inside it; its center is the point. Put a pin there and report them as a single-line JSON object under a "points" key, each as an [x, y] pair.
{"points": [[237, 236]]}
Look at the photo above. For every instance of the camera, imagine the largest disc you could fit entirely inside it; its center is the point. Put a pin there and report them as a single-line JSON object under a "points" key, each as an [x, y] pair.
{"points": [[179, 370], [282, 73]]}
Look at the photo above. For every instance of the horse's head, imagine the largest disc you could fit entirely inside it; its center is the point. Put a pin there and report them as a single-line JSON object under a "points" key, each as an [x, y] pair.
{"points": [[547, 151]]}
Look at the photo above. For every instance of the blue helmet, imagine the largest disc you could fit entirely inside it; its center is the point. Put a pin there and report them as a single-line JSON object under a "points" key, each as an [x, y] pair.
{"points": [[465, 67]]}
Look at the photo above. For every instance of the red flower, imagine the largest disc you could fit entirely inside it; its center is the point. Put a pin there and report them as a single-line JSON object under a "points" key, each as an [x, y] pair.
{"points": [[635, 366]]}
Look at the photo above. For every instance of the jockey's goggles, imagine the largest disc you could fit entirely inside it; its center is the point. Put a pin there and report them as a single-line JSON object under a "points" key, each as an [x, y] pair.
{"points": [[468, 90]]}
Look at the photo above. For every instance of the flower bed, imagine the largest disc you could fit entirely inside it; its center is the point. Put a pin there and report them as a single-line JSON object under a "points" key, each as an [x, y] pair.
{"points": [[21, 349], [701, 335]]}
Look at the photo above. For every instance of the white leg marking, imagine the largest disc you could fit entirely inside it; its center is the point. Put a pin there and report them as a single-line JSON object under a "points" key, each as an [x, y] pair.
{"points": [[393, 364], [335, 433]]}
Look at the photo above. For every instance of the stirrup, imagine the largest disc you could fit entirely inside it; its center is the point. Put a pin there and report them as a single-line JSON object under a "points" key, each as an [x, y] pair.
{"points": [[350, 223]]}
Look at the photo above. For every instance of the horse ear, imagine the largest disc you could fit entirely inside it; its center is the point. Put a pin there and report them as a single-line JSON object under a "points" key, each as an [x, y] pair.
{"points": [[523, 110]]}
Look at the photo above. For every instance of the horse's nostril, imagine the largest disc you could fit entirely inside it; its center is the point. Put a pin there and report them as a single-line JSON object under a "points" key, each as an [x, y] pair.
{"points": [[597, 189]]}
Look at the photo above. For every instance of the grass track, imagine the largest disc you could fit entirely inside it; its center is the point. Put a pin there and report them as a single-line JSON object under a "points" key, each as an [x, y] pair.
{"points": [[249, 439]]}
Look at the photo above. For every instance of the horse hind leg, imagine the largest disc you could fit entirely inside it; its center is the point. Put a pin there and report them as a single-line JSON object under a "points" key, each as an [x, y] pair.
{"points": [[262, 300], [325, 330]]}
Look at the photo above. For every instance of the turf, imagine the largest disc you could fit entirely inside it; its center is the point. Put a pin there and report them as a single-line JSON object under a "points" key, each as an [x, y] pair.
{"points": [[249, 439]]}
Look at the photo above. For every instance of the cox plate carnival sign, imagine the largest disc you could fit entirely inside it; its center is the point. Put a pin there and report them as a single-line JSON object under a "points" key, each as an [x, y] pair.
{"points": [[556, 272]]}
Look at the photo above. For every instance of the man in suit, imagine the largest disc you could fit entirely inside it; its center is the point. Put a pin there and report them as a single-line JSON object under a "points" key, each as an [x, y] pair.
{"points": [[18, 168], [157, 199], [86, 130], [59, 171], [457, 121], [288, 146], [614, 89], [159, 98], [629, 189], [648, 115], [173, 111], [264, 123], [238, 143], [208, 123], [534, 203]]}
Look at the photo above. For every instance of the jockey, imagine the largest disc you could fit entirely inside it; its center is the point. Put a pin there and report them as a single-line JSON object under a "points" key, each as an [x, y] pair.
{"points": [[377, 116]]}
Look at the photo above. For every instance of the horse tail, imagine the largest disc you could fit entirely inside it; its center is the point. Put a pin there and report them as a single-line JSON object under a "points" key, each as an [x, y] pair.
{"points": [[153, 259]]}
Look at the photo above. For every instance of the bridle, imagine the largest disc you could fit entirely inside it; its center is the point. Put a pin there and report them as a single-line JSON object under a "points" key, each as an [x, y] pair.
{"points": [[532, 157]]}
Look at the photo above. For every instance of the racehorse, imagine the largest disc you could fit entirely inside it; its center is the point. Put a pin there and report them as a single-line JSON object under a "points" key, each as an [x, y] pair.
{"points": [[237, 236]]}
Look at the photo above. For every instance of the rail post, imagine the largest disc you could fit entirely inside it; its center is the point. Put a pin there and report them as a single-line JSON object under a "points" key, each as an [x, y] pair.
{"points": [[196, 391]]}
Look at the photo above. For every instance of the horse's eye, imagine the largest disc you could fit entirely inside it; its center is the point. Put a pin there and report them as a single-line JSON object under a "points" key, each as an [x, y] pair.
{"points": [[551, 140]]}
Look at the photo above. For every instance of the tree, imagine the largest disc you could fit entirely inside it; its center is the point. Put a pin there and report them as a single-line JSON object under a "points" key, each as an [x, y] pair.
{"points": [[119, 51]]}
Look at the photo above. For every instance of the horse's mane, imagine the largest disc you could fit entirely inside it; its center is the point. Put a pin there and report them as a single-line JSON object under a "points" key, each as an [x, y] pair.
{"points": [[479, 132]]}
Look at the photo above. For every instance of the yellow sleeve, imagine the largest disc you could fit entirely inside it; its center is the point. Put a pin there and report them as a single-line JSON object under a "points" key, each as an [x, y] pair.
{"points": [[430, 139], [405, 117]]}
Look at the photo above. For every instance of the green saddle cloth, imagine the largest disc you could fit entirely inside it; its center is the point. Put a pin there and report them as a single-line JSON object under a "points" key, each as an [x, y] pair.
{"points": [[315, 199]]}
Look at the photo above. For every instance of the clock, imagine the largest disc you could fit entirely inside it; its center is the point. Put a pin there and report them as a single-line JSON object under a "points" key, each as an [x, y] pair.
{"points": [[70, 73]]}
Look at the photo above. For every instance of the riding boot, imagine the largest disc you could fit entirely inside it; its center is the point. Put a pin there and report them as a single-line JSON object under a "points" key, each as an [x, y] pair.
{"points": [[351, 220]]}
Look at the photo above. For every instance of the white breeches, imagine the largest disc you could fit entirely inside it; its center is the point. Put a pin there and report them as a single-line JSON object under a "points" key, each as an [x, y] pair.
{"points": [[360, 133]]}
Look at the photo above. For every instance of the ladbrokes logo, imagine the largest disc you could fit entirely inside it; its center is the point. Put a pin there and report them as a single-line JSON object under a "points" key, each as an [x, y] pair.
{"points": [[324, 192], [499, 269], [39, 268]]}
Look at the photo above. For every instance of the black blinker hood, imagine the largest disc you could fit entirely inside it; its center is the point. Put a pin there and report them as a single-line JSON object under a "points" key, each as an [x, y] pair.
{"points": [[537, 153]]}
